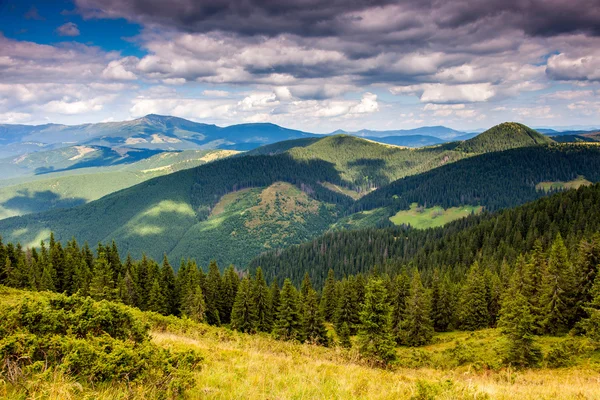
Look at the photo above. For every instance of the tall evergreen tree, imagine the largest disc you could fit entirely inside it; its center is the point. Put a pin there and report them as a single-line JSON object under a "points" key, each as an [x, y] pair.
{"points": [[442, 308], [231, 281], [473, 306], [169, 287], [518, 325], [328, 299], [313, 327], [274, 296], [375, 339], [398, 300], [213, 294], [156, 298], [557, 289], [417, 327], [348, 307], [305, 287], [260, 292], [193, 305], [288, 325], [243, 314], [102, 285]]}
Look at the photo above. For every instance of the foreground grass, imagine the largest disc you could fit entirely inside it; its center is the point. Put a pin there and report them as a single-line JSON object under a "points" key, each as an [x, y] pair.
{"points": [[423, 218], [239, 366]]}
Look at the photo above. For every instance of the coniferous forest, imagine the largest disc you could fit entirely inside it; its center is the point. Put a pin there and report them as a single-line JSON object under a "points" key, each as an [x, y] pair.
{"points": [[548, 284]]}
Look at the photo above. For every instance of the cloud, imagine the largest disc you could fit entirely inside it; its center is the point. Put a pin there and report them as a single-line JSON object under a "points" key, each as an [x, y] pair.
{"points": [[566, 68], [68, 29], [441, 93], [116, 70]]}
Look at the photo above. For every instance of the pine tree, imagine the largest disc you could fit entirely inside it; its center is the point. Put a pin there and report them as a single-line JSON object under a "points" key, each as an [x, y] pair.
{"points": [[348, 307], [156, 298], [243, 314], [398, 300], [586, 269], [557, 289], [288, 325], [313, 327], [375, 339], [518, 325], [231, 282], [344, 336], [193, 306], [473, 307], [169, 288], [102, 285], [274, 296], [328, 299], [305, 287], [48, 278], [213, 294], [260, 292], [417, 327], [442, 308]]}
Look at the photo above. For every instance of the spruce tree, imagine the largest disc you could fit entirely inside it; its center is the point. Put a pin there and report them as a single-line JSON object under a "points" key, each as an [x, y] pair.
{"points": [[243, 314], [473, 306], [260, 292], [442, 308], [375, 339], [274, 296], [288, 325], [193, 305], [518, 325], [156, 298], [348, 307], [344, 336], [328, 299], [169, 287], [102, 285], [313, 327], [417, 327], [557, 289], [213, 294], [305, 287], [231, 281], [398, 299]]}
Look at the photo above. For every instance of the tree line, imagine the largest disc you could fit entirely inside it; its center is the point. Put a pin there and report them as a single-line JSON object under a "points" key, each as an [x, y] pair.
{"points": [[547, 291]]}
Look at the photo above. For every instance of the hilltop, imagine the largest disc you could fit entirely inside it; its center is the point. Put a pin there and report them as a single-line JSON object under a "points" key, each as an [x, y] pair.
{"points": [[508, 135]]}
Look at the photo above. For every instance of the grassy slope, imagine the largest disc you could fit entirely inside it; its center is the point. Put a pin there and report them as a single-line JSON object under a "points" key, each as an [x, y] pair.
{"points": [[422, 218], [558, 185], [508, 135], [241, 366], [64, 190]]}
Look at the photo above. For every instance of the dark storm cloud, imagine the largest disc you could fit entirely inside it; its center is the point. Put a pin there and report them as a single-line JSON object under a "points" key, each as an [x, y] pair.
{"points": [[336, 17]]}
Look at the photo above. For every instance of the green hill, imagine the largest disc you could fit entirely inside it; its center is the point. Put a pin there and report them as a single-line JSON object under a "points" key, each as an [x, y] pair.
{"points": [[490, 239], [508, 135], [74, 187], [269, 202]]}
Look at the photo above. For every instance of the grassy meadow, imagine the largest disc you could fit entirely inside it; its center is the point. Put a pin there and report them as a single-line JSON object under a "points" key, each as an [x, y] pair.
{"points": [[559, 185], [242, 366], [422, 218]]}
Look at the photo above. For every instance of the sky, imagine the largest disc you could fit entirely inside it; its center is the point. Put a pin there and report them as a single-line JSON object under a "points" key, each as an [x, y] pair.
{"points": [[312, 65]]}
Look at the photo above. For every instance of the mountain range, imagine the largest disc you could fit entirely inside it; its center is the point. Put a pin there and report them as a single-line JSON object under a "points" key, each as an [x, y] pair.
{"points": [[233, 209]]}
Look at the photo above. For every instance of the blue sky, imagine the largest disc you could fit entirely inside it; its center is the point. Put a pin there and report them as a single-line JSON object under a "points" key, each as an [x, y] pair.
{"points": [[304, 64]]}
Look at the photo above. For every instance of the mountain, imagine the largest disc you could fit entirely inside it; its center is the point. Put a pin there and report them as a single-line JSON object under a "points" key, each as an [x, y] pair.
{"points": [[75, 186], [504, 136], [236, 208], [154, 132], [491, 239], [440, 132], [408, 141], [589, 137]]}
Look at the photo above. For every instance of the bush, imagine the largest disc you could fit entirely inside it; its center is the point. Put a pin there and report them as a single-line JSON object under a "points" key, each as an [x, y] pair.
{"points": [[91, 342]]}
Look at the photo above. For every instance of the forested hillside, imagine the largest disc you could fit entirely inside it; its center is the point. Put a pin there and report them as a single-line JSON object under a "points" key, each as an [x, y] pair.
{"points": [[508, 135], [489, 239], [247, 205]]}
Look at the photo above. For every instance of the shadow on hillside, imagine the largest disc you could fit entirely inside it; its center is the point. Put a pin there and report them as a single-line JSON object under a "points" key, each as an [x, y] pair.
{"points": [[371, 171], [27, 202]]}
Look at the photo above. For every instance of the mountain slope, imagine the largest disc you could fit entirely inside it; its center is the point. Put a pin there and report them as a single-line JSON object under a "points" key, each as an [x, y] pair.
{"points": [[73, 187], [504, 136], [489, 238], [150, 132]]}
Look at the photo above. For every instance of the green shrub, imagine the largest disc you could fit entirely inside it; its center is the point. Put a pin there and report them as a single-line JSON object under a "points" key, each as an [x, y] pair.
{"points": [[90, 341]]}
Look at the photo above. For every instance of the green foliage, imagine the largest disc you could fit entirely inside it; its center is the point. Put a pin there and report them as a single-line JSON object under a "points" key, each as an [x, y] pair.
{"points": [[473, 305], [288, 323], [504, 136], [375, 339], [417, 327], [244, 316], [91, 341], [313, 327]]}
